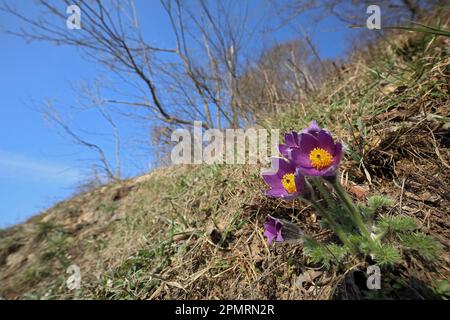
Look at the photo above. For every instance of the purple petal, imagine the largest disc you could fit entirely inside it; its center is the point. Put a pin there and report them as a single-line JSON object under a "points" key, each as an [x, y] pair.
{"points": [[299, 181], [273, 229], [331, 171], [289, 139], [290, 196], [277, 193], [300, 158], [326, 141], [315, 173], [308, 142], [284, 166], [296, 138], [270, 227], [310, 171], [269, 236], [272, 179], [338, 154], [280, 167], [284, 149], [279, 237], [313, 128]]}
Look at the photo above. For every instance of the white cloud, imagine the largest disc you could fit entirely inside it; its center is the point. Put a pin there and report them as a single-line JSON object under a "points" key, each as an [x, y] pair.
{"points": [[17, 165]]}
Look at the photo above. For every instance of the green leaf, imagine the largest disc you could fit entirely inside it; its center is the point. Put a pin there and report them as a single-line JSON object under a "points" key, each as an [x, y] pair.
{"points": [[376, 202], [360, 242], [442, 288], [323, 254], [424, 29], [386, 255], [366, 212], [397, 224], [425, 245]]}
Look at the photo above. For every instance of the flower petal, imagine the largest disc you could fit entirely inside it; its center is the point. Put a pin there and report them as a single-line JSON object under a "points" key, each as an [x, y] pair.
{"points": [[338, 154], [289, 139], [284, 149], [279, 237], [310, 171], [269, 226], [326, 141], [290, 196], [284, 166], [308, 142], [300, 158], [313, 128], [270, 236], [296, 138], [272, 229], [299, 182], [272, 179], [280, 166], [277, 193]]}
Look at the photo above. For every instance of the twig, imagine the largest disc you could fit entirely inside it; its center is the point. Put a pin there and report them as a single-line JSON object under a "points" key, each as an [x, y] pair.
{"points": [[436, 149], [401, 195]]}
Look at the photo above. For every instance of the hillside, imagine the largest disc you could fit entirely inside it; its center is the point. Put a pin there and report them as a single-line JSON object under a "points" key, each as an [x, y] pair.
{"points": [[195, 232]]}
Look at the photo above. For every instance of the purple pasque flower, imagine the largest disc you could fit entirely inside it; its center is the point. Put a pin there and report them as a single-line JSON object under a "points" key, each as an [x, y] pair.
{"points": [[313, 128], [272, 229], [281, 230], [283, 179], [292, 139], [318, 154]]}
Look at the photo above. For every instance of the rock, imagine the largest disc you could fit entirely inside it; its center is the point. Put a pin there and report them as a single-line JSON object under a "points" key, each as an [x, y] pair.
{"points": [[214, 235], [15, 260], [120, 192]]}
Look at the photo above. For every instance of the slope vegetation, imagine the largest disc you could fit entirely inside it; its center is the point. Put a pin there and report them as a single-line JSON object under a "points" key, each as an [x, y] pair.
{"points": [[196, 231]]}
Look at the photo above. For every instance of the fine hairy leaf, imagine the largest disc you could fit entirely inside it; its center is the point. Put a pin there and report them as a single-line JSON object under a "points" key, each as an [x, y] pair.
{"points": [[397, 224], [322, 253], [378, 201], [425, 245], [386, 255]]}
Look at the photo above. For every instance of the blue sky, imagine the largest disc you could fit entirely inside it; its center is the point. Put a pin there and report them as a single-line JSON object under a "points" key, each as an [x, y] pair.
{"points": [[38, 165]]}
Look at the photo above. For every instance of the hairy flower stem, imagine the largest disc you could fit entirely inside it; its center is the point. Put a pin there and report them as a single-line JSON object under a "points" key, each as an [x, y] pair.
{"points": [[325, 194], [332, 204], [334, 226], [353, 210]]}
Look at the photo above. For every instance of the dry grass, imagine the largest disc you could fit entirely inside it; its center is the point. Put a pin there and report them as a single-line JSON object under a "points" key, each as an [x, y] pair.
{"points": [[194, 232]]}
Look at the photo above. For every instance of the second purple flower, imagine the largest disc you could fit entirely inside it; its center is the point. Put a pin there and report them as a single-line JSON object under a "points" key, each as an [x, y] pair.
{"points": [[283, 179]]}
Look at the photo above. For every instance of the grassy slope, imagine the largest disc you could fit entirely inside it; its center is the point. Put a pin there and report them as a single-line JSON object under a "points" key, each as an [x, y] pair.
{"points": [[195, 231]]}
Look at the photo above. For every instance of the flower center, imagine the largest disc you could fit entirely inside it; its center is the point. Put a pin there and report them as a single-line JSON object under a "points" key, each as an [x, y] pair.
{"points": [[320, 158], [288, 182]]}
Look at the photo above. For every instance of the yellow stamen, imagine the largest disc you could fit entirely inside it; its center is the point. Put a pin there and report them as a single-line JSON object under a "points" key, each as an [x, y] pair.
{"points": [[320, 158], [288, 182]]}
